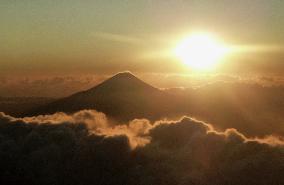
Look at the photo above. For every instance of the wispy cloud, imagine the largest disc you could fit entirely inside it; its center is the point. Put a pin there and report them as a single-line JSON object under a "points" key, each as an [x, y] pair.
{"points": [[117, 37]]}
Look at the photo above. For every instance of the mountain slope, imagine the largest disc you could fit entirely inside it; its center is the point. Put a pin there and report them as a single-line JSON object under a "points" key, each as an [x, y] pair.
{"points": [[122, 97]]}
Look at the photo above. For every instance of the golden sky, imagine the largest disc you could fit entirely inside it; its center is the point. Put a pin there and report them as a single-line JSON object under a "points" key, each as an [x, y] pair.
{"points": [[107, 36]]}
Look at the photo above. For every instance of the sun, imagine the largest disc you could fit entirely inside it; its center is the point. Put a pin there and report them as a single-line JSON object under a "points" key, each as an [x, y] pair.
{"points": [[201, 51]]}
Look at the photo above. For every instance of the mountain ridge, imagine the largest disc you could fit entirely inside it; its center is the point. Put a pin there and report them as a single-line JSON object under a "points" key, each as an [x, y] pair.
{"points": [[122, 97], [123, 81]]}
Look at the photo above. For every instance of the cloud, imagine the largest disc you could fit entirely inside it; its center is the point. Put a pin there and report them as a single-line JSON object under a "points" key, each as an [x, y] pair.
{"points": [[202, 80], [192, 152], [118, 38], [138, 129], [47, 86], [96, 122], [86, 148], [253, 109]]}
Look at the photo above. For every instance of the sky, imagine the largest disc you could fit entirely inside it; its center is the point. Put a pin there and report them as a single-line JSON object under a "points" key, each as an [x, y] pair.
{"points": [[107, 36], [56, 48]]}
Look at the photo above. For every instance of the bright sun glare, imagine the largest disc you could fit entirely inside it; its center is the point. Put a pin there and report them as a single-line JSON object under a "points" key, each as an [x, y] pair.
{"points": [[201, 51]]}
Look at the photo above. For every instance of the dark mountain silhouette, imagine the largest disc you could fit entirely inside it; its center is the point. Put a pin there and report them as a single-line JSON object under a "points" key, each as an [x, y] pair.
{"points": [[252, 109], [122, 97], [17, 106]]}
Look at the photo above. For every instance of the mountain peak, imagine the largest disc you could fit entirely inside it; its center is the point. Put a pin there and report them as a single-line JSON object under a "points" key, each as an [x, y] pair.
{"points": [[124, 75], [122, 81], [121, 97]]}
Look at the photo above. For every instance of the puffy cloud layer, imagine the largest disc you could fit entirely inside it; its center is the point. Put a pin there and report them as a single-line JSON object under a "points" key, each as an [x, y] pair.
{"points": [[85, 148], [96, 123], [136, 130]]}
